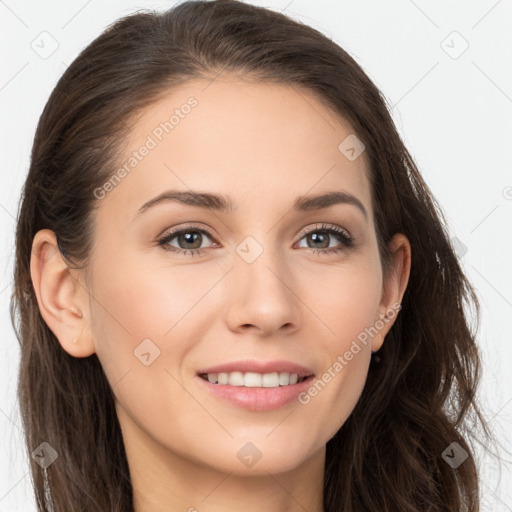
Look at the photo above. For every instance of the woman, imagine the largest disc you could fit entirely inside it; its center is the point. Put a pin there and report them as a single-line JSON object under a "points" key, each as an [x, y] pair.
{"points": [[309, 350]]}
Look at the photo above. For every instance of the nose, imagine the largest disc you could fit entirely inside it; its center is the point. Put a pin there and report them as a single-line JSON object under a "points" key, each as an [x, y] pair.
{"points": [[262, 296]]}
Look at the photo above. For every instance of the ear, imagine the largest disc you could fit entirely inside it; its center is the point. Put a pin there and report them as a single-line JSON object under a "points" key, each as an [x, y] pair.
{"points": [[63, 301], [393, 288]]}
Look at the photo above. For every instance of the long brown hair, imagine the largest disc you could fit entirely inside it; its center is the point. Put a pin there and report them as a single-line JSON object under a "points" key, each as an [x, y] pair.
{"points": [[419, 398]]}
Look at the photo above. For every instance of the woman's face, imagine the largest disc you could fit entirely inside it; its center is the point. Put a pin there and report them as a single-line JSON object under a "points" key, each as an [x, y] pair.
{"points": [[271, 285]]}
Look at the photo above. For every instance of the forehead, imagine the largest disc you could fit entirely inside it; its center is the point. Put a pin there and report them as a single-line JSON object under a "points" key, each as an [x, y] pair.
{"points": [[243, 139]]}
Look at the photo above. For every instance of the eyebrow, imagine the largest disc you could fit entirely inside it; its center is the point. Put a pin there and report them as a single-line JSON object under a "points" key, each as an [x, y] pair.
{"points": [[221, 203]]}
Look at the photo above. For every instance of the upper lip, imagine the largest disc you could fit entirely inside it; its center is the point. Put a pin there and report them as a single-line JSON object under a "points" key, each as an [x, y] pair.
{"points": [[280, 366]]}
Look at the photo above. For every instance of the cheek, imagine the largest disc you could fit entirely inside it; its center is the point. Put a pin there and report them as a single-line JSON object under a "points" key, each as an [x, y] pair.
{"points": [[134, 302], [331, 398], [140, 323], [146, 320], [131, 312], [345, 300]]}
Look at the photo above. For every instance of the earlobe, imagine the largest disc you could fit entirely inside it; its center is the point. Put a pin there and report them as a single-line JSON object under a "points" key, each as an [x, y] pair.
{"points": [[57, 292], [394, 286]]}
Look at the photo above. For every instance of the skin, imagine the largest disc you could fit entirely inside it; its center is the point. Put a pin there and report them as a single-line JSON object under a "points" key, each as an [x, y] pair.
{"points": [[263, 146]]}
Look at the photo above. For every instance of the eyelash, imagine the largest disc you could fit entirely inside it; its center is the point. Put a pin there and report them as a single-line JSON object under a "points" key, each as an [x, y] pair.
{"points": [[346, 238]]}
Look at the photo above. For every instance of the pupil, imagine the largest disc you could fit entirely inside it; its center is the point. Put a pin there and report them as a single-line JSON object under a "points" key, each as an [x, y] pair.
{"points": [[188, 237], [315, 238]]}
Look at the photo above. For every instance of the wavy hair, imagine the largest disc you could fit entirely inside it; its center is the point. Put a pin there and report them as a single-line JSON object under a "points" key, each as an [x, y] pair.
{"points": [[419, 398]]}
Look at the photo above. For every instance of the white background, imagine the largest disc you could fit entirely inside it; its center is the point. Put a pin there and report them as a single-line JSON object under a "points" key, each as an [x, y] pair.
{"points": [[453, 113]]}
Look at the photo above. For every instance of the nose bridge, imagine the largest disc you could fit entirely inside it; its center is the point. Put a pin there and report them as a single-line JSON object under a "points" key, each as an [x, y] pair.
{"points": [[255, 260], [263, 296]]}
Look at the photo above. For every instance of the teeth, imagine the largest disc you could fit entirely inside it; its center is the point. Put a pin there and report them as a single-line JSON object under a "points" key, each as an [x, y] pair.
{"points": [[270, 380], [236, 379], [254, 380]]}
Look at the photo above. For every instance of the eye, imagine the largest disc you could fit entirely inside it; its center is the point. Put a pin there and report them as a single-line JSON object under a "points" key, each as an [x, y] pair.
{"points": [[321, 235], [190, 238]]}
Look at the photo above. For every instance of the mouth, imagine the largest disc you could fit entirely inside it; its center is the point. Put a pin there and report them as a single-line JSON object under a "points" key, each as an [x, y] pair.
{"points": [[253, 391], [256, 385]]}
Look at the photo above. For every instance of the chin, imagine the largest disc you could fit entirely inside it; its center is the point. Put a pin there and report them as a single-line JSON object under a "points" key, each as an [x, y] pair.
{"points": [[260, 456]]}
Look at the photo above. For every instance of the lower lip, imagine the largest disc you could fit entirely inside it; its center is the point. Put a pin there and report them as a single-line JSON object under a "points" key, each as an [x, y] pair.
{"points": [[258, 399]]}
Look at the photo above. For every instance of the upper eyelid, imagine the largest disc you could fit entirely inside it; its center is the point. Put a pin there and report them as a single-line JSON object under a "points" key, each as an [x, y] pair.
{"points": [[327, 227], [174, 232]]}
